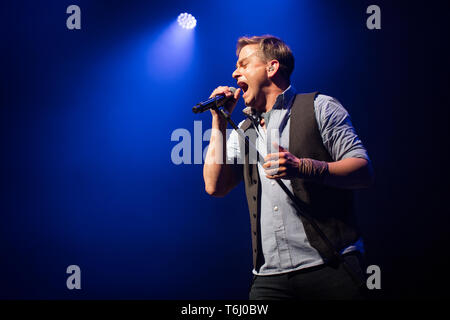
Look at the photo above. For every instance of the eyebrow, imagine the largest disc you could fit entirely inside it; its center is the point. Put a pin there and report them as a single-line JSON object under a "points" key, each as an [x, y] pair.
{"points": [[240, 62]]}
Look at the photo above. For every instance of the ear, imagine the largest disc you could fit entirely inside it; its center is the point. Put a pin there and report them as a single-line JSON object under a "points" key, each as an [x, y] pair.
{"points": [[272, 68]]}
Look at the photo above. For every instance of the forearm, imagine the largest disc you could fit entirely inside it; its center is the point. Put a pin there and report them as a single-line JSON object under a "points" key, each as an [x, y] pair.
{"points": [[219, 177], [350, 173]]}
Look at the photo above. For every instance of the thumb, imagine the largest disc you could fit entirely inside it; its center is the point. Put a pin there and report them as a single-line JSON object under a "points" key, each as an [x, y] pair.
{"points": [[280, 148], [237, 93]]}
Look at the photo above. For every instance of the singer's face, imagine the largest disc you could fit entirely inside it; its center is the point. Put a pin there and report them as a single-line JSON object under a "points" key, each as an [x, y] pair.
{"points": [[251, 76]]}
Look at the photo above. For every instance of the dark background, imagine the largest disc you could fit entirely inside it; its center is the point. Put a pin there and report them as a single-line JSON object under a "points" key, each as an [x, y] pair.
{"points": [[86, 123]]}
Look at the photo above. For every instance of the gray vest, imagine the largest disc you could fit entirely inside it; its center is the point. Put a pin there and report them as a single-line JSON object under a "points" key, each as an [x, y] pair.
{"points": [[331, 208]]}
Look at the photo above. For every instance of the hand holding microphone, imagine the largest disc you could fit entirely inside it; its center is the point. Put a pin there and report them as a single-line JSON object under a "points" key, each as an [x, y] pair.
{"points": [[221, 96]]}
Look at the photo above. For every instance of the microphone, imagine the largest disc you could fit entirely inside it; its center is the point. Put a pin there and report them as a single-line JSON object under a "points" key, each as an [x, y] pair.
{"points": [[216, 101]]}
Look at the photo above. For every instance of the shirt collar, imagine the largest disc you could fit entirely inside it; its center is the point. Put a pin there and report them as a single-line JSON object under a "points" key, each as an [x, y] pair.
{"points": [[282, 102]]}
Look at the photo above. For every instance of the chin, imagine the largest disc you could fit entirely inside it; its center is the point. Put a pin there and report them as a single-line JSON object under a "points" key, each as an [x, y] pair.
{"points": [[249, 102]]}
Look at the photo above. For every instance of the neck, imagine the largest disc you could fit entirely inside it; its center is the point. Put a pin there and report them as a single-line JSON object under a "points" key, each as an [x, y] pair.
{"points": [[273, 91]]}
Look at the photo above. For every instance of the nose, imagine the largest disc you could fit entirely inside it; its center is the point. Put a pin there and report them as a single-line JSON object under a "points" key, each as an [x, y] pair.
{"points": [[235, 74]]}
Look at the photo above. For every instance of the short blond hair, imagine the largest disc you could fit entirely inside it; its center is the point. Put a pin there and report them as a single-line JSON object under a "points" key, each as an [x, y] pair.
{"points": [[272, 48]]}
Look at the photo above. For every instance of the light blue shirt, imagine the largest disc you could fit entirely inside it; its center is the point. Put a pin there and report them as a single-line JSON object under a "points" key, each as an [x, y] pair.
{"points": [[285, 246]]}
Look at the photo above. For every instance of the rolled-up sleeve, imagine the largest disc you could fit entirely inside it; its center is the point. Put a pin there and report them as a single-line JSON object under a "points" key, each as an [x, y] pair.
{"points": [[338, 134]]}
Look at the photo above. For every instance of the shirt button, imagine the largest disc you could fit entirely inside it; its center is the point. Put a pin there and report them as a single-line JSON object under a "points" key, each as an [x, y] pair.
{"points": [[272, 183], [275, 208]]}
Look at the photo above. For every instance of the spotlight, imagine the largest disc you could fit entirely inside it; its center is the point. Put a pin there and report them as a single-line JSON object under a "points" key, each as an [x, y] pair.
{"points": [[187, 20]]}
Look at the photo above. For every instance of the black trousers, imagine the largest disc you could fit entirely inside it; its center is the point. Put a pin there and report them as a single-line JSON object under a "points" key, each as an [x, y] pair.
{"points": [[324, 282]]}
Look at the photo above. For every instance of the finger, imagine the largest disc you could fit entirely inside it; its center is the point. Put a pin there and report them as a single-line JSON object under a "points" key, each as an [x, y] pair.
{"points": [[271, 156], [275, 171], [221, 90], [227, 92], [271, 164], [216, 91], [237, 94], [280, 148], [274, 156], [276, 176], [270, 172]]}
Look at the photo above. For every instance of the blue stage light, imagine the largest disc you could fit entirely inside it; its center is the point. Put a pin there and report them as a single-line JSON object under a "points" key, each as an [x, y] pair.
{"points": [[187, 20]]}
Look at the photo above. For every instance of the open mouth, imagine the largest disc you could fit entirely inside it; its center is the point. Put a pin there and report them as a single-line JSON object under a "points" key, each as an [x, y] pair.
{"points": [[243, 86]]}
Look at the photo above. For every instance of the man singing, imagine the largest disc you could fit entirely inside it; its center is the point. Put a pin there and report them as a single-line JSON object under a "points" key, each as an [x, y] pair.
{"points": [[307, 141]]}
